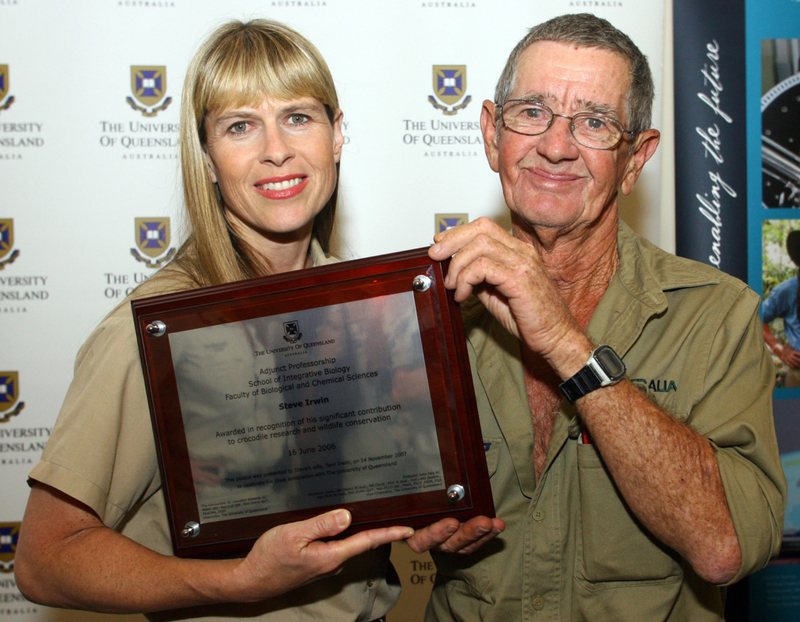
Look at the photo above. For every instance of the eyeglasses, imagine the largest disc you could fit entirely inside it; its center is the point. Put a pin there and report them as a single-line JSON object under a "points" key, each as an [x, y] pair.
{"points": [[589, 129]]}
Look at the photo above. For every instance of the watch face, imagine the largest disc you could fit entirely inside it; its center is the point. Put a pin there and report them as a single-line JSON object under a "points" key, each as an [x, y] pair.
{"points": [[610, 362]]}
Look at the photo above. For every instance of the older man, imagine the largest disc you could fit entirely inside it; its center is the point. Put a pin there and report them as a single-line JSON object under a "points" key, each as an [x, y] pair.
{"points": [[626, 495]]}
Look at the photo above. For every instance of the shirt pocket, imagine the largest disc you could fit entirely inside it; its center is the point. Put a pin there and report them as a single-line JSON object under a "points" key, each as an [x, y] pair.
{"points": [[613, 545]]}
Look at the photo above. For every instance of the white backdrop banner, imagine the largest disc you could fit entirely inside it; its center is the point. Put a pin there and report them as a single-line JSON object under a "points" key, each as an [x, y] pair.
{"points": [[89, 193]]}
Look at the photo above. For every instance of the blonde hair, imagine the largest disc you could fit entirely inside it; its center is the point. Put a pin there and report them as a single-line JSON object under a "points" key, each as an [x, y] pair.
{"points": [[240, 64]]}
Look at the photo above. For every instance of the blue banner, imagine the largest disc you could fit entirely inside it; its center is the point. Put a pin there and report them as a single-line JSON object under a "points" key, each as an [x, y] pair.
{"points": [[737, 135], [710, 133]]}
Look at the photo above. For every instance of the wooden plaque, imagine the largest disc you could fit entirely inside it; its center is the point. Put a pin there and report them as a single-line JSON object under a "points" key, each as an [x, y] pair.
{"points": [[278, 398]]}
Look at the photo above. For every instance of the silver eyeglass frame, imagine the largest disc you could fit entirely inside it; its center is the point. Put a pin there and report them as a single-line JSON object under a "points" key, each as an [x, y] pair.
{"points": [[553, 115]]}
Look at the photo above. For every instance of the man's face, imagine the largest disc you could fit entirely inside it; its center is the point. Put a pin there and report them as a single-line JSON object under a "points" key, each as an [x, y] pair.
{"points": [[550, 180]]}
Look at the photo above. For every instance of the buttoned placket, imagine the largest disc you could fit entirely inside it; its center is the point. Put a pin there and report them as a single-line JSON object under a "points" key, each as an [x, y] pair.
{"points": [[542, 599]]}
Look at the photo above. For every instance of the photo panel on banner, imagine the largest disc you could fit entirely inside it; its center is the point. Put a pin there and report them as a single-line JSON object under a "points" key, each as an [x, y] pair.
{"points": [[773, 159]]}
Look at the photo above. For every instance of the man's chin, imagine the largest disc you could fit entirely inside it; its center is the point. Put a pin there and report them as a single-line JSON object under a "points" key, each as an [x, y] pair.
{"points": [[546, 216]]}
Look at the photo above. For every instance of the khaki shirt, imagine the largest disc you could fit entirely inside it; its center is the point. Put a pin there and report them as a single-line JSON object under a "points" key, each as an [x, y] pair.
{"points": [[691, 338], [102, 453]]}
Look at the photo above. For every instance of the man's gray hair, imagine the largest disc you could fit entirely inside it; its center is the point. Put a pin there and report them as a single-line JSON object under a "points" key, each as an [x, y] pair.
{"points": [[589, 31]]}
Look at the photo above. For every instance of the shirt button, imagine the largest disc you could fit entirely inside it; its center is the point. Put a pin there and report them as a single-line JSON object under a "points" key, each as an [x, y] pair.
{"points": [[538, 603], [538, 514]]}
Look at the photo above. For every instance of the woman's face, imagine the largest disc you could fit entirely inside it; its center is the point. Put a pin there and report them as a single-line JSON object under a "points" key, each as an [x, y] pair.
{"points": [[275, 165]]}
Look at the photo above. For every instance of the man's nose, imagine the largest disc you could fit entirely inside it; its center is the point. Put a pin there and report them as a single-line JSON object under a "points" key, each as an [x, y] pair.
{"points": [[558, 143]]}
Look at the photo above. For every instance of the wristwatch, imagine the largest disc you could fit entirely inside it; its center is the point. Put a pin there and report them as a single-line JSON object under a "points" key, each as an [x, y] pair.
{"points": [[603, 368]]}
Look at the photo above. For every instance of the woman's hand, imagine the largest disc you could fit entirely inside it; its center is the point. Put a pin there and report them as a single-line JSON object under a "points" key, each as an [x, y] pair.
{"points": [[66, 557], [291, 555]]}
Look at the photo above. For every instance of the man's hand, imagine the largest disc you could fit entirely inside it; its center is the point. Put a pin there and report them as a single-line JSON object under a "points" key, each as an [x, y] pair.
{"points": [[450, 536], [509, 278], [789, 356]]}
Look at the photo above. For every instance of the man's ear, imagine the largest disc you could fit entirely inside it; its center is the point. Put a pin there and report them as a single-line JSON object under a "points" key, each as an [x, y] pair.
{"points": [[489, 130], [644, 148]]}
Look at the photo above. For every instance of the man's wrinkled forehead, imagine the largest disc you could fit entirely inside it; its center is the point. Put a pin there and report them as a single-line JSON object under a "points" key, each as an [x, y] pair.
{"points": [[579, 103], [534, 84]]}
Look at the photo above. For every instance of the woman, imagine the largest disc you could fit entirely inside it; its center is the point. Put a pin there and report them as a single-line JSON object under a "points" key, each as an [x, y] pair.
{"points": [[260, 143]]}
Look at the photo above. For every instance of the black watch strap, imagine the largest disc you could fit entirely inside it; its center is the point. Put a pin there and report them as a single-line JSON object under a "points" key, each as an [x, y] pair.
{"points": [[585, 381], [603, 368]]}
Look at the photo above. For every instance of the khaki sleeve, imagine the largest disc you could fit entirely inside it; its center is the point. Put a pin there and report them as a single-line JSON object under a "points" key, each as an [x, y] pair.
{"points": [[735, 414], [101, 451]]}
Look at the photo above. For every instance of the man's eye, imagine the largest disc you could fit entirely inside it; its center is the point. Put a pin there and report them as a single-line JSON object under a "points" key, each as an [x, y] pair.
{"points": [[533, 113], [593, 123], [298, 119]]}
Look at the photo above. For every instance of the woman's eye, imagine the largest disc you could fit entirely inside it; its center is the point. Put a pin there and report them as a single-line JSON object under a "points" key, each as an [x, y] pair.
{"points": [[298, 119], [239, 127]]}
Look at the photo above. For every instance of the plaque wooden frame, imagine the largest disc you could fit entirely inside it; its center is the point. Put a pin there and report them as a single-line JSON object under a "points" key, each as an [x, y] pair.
{"points": [[449, 378]]}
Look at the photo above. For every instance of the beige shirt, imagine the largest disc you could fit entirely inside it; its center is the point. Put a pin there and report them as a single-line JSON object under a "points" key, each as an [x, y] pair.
{"points": [[572, 550], [102, 453]]}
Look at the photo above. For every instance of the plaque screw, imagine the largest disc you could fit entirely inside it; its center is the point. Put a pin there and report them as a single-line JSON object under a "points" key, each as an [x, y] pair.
{"points": [[156, 329], [190, 530], [455, 493], [421, 283]]}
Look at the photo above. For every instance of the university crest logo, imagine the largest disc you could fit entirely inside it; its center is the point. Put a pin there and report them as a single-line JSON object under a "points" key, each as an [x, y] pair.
{"points": [[7, 253], [448, 221], [152, 242], [449, 86], [291, 331], [4, 88], [10, 406], [149, 86], [9, 534]]}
